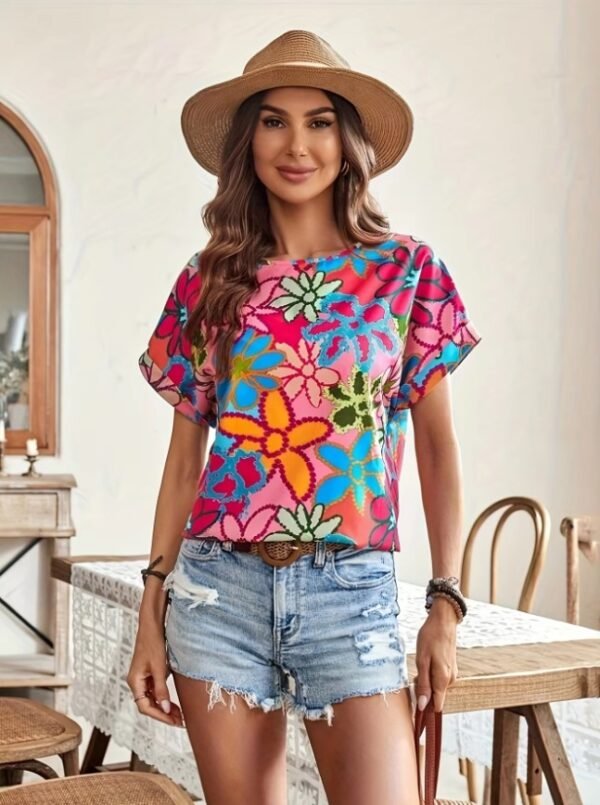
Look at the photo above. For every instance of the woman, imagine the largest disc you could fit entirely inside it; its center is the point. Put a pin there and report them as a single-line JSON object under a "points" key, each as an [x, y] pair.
{"points": [[304, 333]]}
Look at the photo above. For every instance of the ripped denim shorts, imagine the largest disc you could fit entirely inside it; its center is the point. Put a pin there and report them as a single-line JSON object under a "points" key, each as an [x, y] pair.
{"points": [[303, 636]]}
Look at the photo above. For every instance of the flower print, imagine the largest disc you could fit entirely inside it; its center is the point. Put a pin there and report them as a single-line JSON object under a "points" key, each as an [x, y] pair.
{"points": [[302, 372], [252, 530], [350, 325], [383, 535], [252, 361], [205, 513], [175, 314], [354, 401], [307, 527], [280, 438], [412, 390], [435, 284], [260, 305], [447, 331], [357, 471], [234, 476], [305, 295], [398, 279], [181, 386]]}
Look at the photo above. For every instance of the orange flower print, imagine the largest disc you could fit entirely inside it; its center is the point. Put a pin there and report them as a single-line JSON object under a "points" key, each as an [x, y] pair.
{"points": [[280, 438]]}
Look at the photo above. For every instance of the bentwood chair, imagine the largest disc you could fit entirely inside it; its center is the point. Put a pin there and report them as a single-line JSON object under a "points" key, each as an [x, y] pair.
{"points": [[29, 731], [101, 788], [581, 534], [540, 521]]}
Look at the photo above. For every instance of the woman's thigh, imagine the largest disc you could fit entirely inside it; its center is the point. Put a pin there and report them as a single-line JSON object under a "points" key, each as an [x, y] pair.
{"points": [[240, 752], [367, 755]]}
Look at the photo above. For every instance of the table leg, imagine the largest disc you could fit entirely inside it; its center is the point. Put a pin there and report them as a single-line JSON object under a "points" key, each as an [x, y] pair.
{"points": [[534, 774], [551, 753], [95, 752], [504, 757]]}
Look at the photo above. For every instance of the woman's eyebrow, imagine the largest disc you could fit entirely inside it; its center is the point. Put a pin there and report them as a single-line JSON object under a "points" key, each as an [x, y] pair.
{"points": [[318, 111]]}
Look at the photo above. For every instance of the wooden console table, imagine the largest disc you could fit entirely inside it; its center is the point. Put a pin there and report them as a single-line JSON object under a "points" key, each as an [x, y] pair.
{"points": [[36, 510]]}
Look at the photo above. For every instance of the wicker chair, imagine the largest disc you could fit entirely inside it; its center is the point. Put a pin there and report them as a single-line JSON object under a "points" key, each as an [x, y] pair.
{"points": [[541, 533], [29, 731], [102, 788]]}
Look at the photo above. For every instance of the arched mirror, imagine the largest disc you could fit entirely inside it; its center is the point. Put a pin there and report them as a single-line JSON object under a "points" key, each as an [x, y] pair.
{"points": [[28, 292]]}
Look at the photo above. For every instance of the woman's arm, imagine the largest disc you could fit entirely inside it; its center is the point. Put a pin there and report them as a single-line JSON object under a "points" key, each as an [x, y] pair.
{"points": [[185, 458], [440, 473], [147, 676]]}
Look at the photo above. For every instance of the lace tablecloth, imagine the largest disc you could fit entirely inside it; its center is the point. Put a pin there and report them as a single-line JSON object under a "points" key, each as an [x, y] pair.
{"points": [[106, 598]]}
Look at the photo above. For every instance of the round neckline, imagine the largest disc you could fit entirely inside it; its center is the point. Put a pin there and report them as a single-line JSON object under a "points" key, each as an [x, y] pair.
{"points": [[345, 252]]}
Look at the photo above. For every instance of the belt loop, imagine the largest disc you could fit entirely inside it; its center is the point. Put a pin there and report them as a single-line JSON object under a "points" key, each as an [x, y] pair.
{"points": [[320, 554], [227, 545]]}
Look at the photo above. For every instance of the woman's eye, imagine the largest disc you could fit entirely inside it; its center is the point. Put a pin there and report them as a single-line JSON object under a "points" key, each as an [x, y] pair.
{"points": [[268, 120]]}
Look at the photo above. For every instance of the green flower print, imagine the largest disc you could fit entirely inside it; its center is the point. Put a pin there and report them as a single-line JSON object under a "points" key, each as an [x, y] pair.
{"points": [[305, 295], [300, 525]]}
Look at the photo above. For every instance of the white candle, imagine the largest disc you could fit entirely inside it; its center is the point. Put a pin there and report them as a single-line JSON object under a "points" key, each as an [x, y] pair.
{"points": [[2, 431], [31, 447]]}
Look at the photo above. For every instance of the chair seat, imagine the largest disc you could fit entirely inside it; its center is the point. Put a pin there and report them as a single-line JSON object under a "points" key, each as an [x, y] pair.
{"points": [[29, 729], [101, 788]]}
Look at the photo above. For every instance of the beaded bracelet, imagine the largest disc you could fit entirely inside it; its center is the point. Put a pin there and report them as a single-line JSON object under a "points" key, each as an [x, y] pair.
{"points": [[451, 592], [439, 594], [147, 571]]}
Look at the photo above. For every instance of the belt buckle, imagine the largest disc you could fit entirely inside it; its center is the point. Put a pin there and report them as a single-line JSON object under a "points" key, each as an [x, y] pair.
{"points": [[294, 553]]}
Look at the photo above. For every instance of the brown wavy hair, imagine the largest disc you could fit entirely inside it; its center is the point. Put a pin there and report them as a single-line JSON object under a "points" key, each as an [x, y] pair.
{"points": [[238, 221]]}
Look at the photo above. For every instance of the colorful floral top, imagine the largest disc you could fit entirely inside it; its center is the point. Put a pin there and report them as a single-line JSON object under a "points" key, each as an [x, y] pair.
{"points": [[310, 427]]}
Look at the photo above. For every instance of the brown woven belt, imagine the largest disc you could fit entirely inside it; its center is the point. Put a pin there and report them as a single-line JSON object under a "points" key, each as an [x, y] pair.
{"points": [[282, 552]]}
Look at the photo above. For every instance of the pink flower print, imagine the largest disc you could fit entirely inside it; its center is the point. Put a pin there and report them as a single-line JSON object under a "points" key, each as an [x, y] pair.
{"points": [[447, 329], [301, 372], [384, 535], [398, 281], [175, 314], [260, 305], [253, 530], [435, 285]]}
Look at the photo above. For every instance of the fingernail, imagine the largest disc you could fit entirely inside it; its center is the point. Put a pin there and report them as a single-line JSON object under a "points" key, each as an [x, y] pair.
{"points": [[166, 705], [422, 702]]}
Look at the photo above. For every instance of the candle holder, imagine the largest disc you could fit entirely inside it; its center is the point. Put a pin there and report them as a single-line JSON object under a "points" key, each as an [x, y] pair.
{"points": [[2, 470], [31, 472]]}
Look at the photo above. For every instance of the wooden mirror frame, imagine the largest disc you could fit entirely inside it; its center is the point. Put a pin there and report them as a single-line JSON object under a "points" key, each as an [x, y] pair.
{"points": [[40, 222]]}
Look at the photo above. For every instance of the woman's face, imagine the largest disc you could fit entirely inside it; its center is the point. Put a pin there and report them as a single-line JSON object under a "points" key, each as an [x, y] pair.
{"points": [[297, 127]]}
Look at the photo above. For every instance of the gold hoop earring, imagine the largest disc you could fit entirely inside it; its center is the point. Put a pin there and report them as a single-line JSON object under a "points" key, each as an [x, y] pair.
{"points": [[345, 167]]}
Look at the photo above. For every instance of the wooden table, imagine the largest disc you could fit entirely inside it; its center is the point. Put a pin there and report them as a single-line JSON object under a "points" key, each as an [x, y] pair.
{"points": [[514, 681]]}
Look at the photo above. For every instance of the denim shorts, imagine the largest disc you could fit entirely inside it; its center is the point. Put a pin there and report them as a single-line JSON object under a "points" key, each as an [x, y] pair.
{"points": [[303, 636]]}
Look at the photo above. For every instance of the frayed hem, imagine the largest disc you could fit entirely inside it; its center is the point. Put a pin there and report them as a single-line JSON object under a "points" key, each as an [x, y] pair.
{"points": [[216, 691], [326, 713]]}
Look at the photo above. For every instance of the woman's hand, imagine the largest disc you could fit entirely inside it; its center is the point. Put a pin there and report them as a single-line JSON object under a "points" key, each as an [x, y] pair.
{"points": [[148, 672], [436, 654]]}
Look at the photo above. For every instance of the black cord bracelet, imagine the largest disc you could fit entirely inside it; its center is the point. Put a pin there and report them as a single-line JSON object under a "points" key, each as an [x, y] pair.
{"points": [[148, 571]]}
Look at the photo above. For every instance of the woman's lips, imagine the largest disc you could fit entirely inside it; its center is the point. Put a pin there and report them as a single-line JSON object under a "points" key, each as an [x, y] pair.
{"points": [[295, 177]]}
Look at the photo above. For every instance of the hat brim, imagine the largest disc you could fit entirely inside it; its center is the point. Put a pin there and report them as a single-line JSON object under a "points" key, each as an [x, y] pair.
{"points": [[387, 118]]}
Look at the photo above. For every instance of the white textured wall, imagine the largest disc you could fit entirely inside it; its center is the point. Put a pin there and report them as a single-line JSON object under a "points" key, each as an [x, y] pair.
{"points": [[501, 178]]}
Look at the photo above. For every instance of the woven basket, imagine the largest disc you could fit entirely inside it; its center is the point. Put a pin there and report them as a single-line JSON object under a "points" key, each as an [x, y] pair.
{"points": [[431, 721]]}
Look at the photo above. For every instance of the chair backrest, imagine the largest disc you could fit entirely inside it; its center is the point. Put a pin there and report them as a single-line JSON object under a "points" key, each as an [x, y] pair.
{"points": [[541, 533], [582, 534]]}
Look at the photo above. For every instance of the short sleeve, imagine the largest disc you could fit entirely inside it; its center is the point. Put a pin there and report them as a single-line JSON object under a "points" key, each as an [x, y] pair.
{"points": [[175, 367], [439, 332]]}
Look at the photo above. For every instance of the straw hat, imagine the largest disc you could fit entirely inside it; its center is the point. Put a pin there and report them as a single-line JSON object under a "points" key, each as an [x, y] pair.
{"points": [[298, 58]]}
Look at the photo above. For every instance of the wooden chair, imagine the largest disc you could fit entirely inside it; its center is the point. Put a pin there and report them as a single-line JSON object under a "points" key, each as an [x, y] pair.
{"points": [[102, 788], [582, 534], [541, 533], [28, 731]]}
